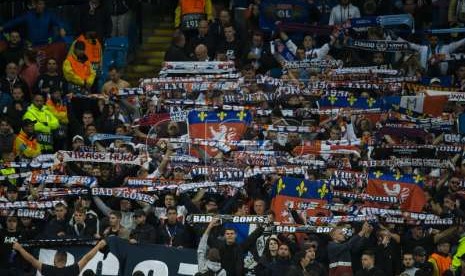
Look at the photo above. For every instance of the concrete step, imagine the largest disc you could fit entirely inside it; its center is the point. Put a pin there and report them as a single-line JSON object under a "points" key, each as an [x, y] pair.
{"points": [[159, 32], [164, 31], [141, 68], [151, 61], [150, 54], [166, 24], [158, 39], [155, 46]]}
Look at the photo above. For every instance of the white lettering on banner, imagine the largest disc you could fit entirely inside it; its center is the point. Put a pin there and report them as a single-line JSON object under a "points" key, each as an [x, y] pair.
{"points": [[39, 214], [248, 219], [285, 229], [109, 266], [454, 138], [457, 97], [197, 219], [157, 268]]}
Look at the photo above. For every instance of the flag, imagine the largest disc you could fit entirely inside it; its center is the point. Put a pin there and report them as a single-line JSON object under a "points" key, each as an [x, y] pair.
{"points": [[219, 126], [384, 20], [349, 102], [289, 193], [407, 188], [432, 105], [272, 11], [319, 147]]}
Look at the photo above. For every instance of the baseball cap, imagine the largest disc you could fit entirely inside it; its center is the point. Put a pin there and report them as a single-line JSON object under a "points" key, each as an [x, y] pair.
{"points": [[77, 137], [435, 80], [12, 189], [27, 122], [419, 251]]}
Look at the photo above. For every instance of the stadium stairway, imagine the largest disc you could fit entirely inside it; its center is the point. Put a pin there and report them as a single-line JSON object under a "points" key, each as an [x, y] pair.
{"points": [[149, 56]]}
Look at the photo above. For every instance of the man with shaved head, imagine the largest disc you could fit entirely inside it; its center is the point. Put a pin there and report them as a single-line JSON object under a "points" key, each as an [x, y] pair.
{"points": [[203, 36], [201, 53]]}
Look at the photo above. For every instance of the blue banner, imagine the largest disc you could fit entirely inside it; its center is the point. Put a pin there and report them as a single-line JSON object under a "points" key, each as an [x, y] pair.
{"points": [[124, 259], [272, 11]]}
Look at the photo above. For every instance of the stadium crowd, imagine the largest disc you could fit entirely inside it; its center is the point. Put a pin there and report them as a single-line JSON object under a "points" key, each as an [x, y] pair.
{"points": [[371, 114]]}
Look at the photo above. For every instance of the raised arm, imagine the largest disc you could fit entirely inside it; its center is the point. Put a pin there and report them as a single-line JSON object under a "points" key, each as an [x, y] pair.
{"points": [[452, 47], [102, 206], [84, 260], [203, 246], [27, 256], [444, 234]]}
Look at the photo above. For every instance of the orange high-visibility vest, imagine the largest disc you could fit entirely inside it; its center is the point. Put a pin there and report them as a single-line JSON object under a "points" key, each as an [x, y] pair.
{"points": [[82, 70], [443, 263], [93, 51], [192, 6], [26, 146]]}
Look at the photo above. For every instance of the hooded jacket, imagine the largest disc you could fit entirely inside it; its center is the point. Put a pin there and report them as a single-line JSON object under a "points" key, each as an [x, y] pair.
{"points": [[206, 265]]}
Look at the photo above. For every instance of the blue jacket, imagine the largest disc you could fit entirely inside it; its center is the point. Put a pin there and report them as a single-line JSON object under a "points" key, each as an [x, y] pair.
{"points": [[5, 99], [39, 26]]}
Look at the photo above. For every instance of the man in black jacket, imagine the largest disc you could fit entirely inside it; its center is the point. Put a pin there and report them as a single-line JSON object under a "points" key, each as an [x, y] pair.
{"points": [[50, 79], [232, 253], [203, 37], [13, 53], [174, 233], [232, 46], [57, 227], [144, 232], [12, 79], [176, 51], [95, 16], [368, 266], [14, 111]]}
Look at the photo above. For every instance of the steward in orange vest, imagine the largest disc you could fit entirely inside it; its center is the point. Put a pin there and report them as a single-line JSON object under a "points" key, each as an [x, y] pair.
{"points": [[93, 49], [189, 13], [56, 107], [26, 145], [441, 260], [77, 68]]}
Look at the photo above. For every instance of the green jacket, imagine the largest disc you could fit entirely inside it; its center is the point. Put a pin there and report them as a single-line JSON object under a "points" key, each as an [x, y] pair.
{"points": [[458, 254], [46, 121]]}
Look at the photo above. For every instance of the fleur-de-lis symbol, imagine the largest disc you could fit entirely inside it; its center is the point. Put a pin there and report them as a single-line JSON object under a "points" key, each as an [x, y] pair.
{"points": [[281, 185], [323, 191], [371, 102], [398, 176], [351, 100], [221, 115], [378, 174], [301, 189], [332, 99], [202, 115], [418, 178], [241, 115]]}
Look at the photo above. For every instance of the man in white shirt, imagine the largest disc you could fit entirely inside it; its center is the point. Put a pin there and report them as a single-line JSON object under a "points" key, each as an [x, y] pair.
{"points": [[342, 12], [409, 265]]}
